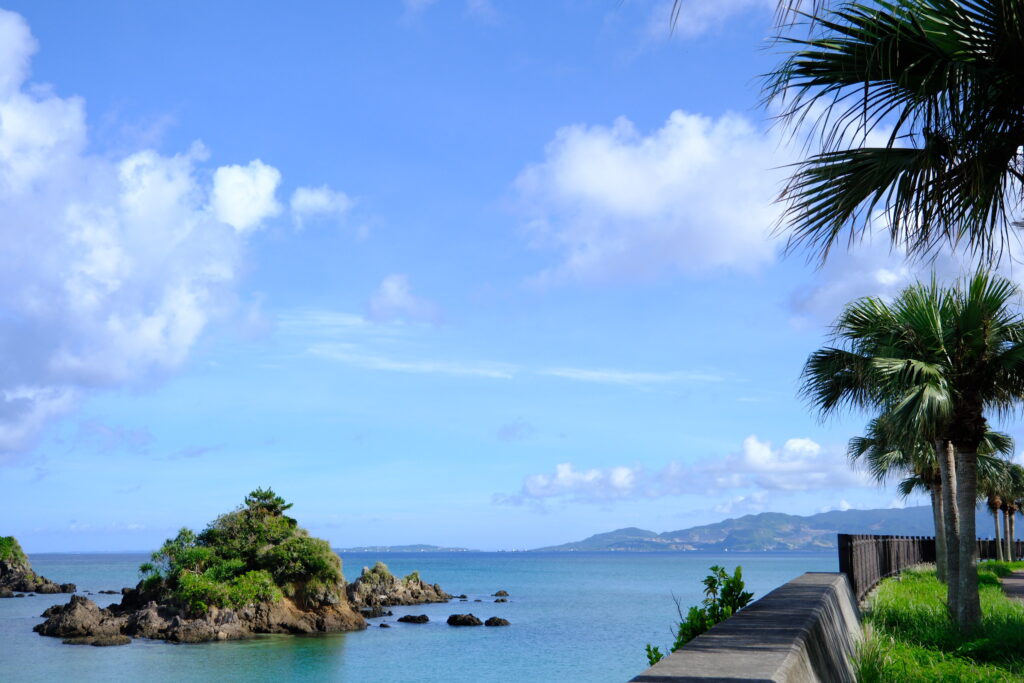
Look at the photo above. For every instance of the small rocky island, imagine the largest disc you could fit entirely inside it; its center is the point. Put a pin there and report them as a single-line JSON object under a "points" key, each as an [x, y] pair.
{"points": [[252, 570], [377, 588], [16, 575]]}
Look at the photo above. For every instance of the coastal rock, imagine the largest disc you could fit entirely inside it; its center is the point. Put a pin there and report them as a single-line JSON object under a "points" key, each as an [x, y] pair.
{"points": [[497, 621], [463, 620], [385, 625], [377, 587], [16, 575], [414, 619], [501, 600], [501, 594], [82, 618]]}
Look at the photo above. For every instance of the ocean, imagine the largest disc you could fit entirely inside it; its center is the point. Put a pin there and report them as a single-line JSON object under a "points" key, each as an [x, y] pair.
{"points": [[574, 617]]}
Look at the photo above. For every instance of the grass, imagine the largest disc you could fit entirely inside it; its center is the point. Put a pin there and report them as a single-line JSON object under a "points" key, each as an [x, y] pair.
{"points": [[909, 635]]}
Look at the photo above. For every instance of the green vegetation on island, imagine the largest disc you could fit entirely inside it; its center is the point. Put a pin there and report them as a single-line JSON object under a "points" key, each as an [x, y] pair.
{"points": [[910, 637], [10, 550], [253, 554]]}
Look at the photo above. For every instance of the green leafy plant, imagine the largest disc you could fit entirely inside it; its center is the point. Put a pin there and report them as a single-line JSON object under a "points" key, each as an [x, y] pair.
{"points": [[724, 595]]}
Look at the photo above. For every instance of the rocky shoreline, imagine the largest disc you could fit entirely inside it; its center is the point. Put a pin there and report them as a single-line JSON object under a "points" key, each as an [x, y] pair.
{"points": [[16, 575]]}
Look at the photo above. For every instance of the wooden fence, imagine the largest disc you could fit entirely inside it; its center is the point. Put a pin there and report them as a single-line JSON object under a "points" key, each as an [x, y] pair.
{"points": [[866, 560]]}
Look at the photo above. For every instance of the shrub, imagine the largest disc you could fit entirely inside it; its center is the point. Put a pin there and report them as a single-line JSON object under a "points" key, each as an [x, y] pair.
{"points": [[724, 595], [10, 550]]}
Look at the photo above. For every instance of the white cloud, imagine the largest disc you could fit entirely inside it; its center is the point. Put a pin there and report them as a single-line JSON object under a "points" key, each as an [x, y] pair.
{"points": [[243, 196], [113, 267], [608, 376], [750, 474], [318, 202], [394, 300], [592, 485], [696, 195], [697, 17]]}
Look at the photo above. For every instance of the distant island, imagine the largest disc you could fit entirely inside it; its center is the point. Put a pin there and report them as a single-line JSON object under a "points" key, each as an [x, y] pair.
{"points": [[767, 531], [416, 548]]}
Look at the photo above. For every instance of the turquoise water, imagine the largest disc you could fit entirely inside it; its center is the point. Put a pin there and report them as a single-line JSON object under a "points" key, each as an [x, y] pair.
{"points": [[575, 617]]}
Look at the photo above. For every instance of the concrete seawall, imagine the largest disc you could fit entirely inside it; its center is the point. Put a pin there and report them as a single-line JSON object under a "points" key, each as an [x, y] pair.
{"points": [[803, 631]]}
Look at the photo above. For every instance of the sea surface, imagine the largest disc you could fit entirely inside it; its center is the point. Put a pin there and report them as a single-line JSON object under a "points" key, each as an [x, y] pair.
{"points": [[575, 617]]}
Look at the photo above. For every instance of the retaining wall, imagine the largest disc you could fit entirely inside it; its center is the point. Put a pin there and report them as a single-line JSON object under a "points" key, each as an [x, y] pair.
{"points": [[803, 631]]}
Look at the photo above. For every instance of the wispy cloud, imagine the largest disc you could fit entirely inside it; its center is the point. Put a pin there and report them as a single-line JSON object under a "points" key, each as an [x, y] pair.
{"points": [[609, 376], [347, 355]]}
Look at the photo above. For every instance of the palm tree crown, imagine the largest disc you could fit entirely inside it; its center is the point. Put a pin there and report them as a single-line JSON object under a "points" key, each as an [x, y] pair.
{"points": [[945, 81]]}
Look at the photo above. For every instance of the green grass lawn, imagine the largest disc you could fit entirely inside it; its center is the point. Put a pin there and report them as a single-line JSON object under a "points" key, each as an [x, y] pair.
{"points": [[911, 638]]}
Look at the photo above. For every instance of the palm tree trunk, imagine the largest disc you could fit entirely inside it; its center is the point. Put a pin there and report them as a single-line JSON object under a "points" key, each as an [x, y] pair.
{"points": [[1012, 536], [968, 612], [999, 544], [1007, 553], [940, 533], [944, 453]]}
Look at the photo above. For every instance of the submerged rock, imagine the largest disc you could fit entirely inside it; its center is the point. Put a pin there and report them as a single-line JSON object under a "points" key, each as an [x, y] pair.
{"points": [[501, 600], [463, 620], [414, 619]]}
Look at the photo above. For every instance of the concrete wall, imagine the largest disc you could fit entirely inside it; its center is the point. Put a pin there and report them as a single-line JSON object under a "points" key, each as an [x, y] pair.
{"points": [[802, 631]]}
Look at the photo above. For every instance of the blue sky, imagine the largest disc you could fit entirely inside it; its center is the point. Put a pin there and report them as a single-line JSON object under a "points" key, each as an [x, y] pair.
{"points": [[477, 273]]}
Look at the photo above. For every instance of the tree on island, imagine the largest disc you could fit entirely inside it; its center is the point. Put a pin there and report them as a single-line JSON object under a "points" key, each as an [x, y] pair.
{"points": [[253, 554]]}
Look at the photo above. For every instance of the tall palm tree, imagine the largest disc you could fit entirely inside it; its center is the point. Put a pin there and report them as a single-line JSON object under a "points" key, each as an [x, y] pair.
{"points": [[935, 360], [943, 81]]}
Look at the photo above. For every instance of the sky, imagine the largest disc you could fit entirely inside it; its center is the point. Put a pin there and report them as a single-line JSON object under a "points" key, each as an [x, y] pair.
{"points": [[473, 273]]}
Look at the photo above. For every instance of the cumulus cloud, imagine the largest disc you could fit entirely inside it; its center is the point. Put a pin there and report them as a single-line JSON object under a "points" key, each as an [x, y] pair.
{"points": [[394, 300], [693, 196], [244, 196], [318, 202], [112, 266], [749, 474]]}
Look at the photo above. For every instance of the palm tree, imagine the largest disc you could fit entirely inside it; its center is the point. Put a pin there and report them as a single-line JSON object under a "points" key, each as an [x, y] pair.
{"points": [[934, 360], [944, 80], [884, 451], [1011, 505], [993, 486]]}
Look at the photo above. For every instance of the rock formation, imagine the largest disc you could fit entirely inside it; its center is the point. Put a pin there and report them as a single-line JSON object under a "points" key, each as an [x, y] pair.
{"points": [[377, 588], [16, 575]]}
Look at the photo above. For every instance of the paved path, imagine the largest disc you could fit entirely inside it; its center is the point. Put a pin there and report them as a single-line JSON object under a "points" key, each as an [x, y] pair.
{"points": [[1013, 585]]}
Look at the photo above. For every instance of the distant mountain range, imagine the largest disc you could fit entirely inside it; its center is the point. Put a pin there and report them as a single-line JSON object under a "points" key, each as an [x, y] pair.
{"points": [[770, 531]]}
